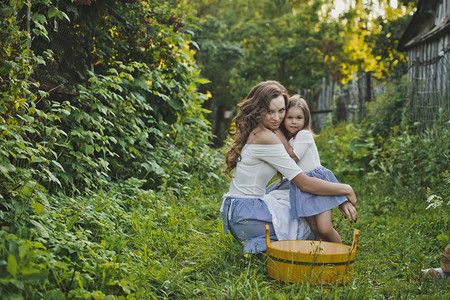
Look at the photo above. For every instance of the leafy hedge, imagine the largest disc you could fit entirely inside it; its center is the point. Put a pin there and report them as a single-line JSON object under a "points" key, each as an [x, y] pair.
{"points": [[108, 189], [101, 129], [123, 111]]}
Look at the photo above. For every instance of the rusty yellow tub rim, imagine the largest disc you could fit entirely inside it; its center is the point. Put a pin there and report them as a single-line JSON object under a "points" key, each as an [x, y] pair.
{"points": [[316, 262]]}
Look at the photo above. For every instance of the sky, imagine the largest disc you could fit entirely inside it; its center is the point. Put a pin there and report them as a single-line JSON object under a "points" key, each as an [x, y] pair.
{"points": [[342, 5]]}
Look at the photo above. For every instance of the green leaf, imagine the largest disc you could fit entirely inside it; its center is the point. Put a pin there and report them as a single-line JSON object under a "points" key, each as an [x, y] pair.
{"points": [[6, 11], [34, 275], [37, 160], [71, 222], [39, 18], [7, 66], [202, 80], [38, 245], [153, 166], [89, 149], [142, 84], [38, 207], [174, 103], [12, 265], [52, 11], [57, 164], [62, 15], [40, 228], [5, 169], [52, 177], [55, 294]]}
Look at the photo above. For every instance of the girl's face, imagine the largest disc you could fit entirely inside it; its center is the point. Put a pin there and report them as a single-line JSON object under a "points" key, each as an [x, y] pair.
{"points": [[295, 120], [275, 114]]}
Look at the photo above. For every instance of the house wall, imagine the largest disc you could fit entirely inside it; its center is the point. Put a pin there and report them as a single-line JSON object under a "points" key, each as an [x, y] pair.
{"points": [[429, 64]]}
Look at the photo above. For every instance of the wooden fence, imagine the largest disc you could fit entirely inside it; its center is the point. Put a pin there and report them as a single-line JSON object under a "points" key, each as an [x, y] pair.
{"points": [[428, 97], [342, 102]]}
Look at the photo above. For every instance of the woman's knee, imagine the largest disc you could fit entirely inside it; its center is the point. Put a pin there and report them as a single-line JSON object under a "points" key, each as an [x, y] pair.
{"points": [[251, 229]]}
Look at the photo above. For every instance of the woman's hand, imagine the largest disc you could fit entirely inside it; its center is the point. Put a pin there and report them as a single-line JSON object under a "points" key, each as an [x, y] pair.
{"points": [[349, 211], [351, 196]]}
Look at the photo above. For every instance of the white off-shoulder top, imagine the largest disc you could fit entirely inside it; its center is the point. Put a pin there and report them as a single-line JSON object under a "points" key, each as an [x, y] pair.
{"points": [[258, 164]]}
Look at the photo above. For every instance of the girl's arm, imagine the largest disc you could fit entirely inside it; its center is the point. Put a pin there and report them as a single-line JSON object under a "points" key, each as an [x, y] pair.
{"points": [[286, 145], [321, 187], [302, 142]]}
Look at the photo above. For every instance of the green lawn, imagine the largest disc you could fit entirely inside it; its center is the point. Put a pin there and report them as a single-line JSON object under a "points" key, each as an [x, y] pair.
{"points": [[398, 238]]}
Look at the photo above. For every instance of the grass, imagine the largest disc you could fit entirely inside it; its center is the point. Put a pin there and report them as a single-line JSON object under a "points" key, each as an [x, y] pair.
{"points": [[397, 240], [126, 243]]}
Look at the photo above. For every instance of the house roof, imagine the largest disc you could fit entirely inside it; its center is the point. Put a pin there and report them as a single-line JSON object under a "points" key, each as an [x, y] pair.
{"points": [[422, 29]]}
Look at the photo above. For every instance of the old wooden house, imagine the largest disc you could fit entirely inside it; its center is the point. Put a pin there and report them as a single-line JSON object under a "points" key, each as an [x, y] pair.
{"points": [[427, 41]]}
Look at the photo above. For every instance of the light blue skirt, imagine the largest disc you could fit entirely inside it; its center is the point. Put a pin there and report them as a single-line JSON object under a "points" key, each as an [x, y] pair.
{"points": [[245, 219], [304, 204]]}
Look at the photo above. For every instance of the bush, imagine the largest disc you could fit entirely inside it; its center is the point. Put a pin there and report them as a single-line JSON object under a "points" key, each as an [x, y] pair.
{"points": [[92, 183], [345, 150]]}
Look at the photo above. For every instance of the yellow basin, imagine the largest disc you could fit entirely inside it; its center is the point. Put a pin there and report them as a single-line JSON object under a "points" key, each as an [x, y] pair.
{"points": [[315, 262]]}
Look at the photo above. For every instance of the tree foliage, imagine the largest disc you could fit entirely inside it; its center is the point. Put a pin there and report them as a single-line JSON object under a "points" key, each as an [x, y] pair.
{"points": [[108, 188], [371, 31], [295, 42]]}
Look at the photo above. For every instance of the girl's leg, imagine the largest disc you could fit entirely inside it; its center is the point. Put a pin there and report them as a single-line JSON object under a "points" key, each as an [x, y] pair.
{"points": [[312, 224], [325, 227]]}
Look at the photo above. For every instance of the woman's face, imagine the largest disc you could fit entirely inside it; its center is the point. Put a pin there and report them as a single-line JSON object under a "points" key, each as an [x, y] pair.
{"points": [[275, 113], [295, 120]]}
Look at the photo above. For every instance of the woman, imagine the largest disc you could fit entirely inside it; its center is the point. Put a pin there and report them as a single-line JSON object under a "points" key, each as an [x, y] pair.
{"points": [[257, 154]]}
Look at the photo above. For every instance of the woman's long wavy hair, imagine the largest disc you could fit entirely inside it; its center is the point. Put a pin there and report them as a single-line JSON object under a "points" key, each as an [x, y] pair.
{"points": [[251, 110], [297, 101]]}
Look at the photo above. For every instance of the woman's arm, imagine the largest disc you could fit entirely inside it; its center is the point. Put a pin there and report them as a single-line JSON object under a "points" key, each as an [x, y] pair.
{"points": [[321, 187], [308, 184]]}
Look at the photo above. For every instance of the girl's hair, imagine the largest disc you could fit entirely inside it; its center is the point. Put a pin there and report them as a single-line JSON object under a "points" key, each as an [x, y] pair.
{"points": [[297, 101], [251, 110]]}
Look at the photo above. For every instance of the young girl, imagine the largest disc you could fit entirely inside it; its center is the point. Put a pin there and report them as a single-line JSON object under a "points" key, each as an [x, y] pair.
{"points": [[315, 208]]}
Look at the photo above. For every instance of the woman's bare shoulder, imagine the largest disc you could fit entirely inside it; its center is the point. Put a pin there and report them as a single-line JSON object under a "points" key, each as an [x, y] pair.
{"points": [[264, 137]]}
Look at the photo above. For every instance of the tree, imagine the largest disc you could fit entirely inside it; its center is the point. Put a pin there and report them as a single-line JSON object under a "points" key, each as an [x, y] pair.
{"points": [[295, 42], [270, 40], [369, 36]]}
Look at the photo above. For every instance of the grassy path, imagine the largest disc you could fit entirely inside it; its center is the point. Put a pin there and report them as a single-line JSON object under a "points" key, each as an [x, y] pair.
{"points": [[398, 238]]}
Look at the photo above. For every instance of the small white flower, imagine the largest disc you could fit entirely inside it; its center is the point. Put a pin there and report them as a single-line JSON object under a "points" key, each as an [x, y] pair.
{"points": [[435, 201], [431, 197]]}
